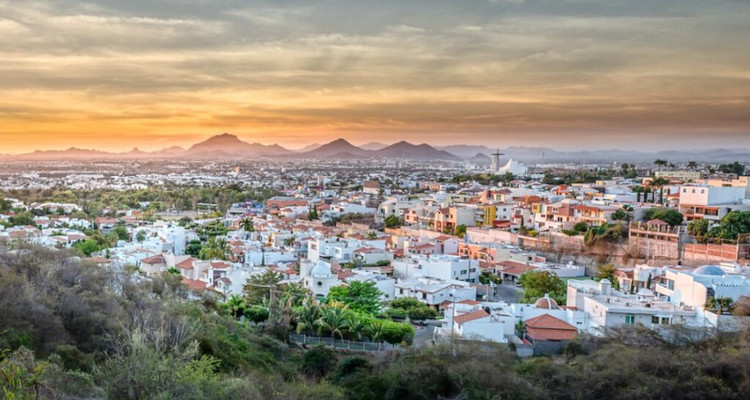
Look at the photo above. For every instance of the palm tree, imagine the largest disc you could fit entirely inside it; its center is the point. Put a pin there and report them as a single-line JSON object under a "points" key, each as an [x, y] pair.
{"points": [[236, 305], [692, 165], [308, 316], [375, 330], [355, 327], [638, 190], [659, 183], [725, 304], [334, 320], [660, 163], [215, 249], [247, 225]]}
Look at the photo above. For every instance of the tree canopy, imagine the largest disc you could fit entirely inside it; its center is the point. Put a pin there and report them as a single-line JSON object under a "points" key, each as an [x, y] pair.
{"points": [[538, 283], [362, 297]]}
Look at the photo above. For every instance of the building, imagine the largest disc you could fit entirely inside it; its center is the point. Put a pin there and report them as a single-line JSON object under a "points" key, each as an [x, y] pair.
{"points": [[433, 291]]}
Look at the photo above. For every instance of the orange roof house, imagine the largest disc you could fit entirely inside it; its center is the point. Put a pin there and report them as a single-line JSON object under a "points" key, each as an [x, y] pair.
{"points": [[548, 328]]}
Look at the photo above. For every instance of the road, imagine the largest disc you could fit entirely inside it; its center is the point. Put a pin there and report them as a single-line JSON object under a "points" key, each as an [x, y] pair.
{"points": [[510, 293]]}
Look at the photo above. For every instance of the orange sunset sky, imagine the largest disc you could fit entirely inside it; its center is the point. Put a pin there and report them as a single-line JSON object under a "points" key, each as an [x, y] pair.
{"points": [[569, 74]]}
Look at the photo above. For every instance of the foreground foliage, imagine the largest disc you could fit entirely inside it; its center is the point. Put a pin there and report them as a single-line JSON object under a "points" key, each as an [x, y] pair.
{"points": [[76, 331]]}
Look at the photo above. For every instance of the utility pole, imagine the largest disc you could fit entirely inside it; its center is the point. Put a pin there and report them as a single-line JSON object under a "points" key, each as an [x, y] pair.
{"points": [[453, 322]]}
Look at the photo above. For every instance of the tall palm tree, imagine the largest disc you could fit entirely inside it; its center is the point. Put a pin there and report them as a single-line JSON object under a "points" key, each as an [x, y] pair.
{"points": [[334, 320], [692, 165], [660, 163], [308, 316], [638, 190], [659, 183]]}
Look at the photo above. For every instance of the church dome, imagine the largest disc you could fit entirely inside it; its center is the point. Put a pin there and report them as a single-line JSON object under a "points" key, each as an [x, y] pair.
{"points": [[321, 269], [547, 303], [711, 270]]}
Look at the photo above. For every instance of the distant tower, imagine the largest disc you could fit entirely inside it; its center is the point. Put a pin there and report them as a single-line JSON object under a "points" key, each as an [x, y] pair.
{"points": [[496, 160]]}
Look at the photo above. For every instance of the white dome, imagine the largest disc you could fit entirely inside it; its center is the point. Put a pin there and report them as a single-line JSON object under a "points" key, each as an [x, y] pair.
{"points": [[709, 270], [321, 270]]}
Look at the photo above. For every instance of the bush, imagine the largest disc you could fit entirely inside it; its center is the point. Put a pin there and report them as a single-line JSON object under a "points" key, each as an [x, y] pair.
{"points": [[318, 362]]}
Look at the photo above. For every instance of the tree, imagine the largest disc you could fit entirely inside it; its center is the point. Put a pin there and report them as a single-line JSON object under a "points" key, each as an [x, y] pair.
{"points": [[733, 168], [361, 297], [620, 215], [312, 214], [692, 165], [334, 319], [699, 229], [668, 215], [355, 326], [318, 362], [121, 231], [86, 247], [236, 306], [719, 304], [372, 235], [608, 271], [538, 283], [194, 248], [141, 236], [660, 163], [732, 225], [396, 333], [22, 219], [638, 190], [257, 289], [247, 225], [256, 313], [659, 183], [392, 221], [308, 315], [215, 249], [460, 230]]}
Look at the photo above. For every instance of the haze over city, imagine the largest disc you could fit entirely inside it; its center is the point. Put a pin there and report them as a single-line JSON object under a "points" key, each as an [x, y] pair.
{"points": [[631, 74]]}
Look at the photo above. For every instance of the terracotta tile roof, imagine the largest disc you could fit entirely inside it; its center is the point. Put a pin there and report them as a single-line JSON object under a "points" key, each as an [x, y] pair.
{"points": [[515, 268], [219, 265], [469, 302], [194, 284], [547, 327], [157, 259], [463, 318], [186, 264]]}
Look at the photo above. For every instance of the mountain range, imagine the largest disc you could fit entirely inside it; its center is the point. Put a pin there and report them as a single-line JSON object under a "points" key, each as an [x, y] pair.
{"points": [[228, 146]]}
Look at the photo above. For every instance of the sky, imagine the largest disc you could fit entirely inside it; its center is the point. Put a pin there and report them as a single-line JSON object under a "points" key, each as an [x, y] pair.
{"points": [[567, 74]]}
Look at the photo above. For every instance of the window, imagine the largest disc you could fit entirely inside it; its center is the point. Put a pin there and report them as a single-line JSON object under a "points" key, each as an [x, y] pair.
{"points": [[463, 271], [654, 319], [320, 283], [630, 319]]}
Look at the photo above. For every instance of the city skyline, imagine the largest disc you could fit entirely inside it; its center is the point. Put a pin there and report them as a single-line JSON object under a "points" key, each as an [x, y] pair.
{"points": [[112, 75]]}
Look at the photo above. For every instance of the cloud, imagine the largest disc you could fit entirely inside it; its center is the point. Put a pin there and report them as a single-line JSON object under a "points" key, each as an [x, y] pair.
{"points": [[165, 67]]}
